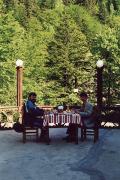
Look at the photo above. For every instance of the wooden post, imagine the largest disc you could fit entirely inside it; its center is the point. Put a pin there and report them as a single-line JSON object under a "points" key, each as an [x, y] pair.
{"points": [[99, 87], [19, 86]]}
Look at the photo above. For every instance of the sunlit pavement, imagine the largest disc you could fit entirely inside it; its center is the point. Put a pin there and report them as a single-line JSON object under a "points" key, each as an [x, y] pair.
{"points": [[60, 160]]}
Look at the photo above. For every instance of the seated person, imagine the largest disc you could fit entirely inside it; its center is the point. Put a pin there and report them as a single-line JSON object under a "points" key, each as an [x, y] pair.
{"points": [[85, 112], [33, 115]]}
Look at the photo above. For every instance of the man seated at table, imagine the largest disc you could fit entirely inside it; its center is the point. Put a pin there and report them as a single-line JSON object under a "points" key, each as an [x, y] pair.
{"points": [[34, 115], [85, 112]]}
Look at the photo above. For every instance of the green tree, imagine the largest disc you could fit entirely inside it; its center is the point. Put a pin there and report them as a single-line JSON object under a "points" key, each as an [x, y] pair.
{"points": [[35, 57], [55, 39], [10, 32], [106, 46], [68, 57]]}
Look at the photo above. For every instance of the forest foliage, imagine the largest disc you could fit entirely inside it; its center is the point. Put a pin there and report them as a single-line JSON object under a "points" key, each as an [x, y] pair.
{"points": [[60, 42]]}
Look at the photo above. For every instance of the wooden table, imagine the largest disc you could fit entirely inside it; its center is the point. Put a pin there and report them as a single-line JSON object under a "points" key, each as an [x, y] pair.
{"points": [[62, 120]]}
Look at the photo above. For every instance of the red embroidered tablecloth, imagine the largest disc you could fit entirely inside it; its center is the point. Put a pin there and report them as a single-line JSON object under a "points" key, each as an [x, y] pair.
{"points": [[61, 118]]}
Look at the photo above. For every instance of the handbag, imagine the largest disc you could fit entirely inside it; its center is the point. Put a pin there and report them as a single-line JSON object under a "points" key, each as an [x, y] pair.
{"points": [[18, 127]]}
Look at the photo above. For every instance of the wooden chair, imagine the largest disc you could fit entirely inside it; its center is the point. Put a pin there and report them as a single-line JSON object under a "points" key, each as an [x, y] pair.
{"points": [[94, 129], [28, 130]]}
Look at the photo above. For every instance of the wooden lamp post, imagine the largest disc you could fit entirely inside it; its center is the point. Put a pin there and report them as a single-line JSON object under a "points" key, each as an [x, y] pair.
{"points": [[19, 69], [100, 66]]}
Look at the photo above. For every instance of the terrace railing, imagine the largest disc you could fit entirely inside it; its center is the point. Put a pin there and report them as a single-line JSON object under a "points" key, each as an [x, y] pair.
{"points": [[110, 117], [7, 116]]}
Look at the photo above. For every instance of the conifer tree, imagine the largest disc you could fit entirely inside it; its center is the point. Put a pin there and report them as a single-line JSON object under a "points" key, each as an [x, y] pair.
{"points": [[67, 55]]}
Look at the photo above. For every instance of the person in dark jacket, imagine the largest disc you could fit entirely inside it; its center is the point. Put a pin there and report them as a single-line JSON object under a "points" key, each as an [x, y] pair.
{"points": [[33, 114]]}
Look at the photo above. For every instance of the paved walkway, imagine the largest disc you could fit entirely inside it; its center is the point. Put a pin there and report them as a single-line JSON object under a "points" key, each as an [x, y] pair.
{"points": [[60, 160]]}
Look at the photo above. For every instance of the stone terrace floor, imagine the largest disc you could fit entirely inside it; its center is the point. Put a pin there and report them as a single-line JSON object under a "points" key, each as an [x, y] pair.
{"points": [[60, 160]]}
